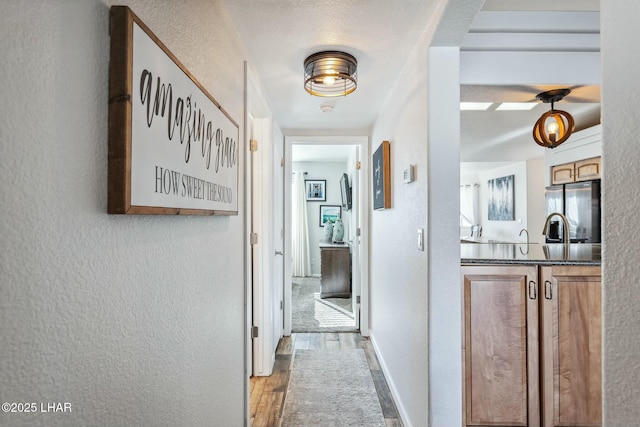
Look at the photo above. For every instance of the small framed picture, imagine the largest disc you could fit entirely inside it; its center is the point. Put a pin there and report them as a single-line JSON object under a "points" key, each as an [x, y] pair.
{"points": [[382, 177], [329, 213], [316, 190]]}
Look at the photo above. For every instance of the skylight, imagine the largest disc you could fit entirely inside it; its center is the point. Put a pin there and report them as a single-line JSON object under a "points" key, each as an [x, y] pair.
{"points": [[475, 106], [516, 106]]}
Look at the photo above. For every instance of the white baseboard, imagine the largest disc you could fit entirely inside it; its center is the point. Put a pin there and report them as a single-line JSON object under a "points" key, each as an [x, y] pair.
{"points": [[402, 413]]}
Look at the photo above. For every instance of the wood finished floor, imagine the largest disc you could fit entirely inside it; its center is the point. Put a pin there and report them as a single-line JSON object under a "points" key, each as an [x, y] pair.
{"points": [[268, 393]]}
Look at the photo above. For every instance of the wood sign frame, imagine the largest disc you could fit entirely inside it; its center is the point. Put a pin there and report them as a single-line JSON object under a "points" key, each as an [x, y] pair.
{"points": [[382, 176], [173, 149]]}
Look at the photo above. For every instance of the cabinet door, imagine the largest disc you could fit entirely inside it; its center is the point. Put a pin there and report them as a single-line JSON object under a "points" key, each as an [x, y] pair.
{"points": [[561, 174], [588, 169], [571, 341], [335, 280], [500, 346]]}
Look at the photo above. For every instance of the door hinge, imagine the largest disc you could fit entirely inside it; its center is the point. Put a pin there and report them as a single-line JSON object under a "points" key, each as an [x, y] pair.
{"points": [[254, 238], [280, 304], [358, 232], [254, 332], [282, 162], [253, 145], [358, 165], [358, 299]]}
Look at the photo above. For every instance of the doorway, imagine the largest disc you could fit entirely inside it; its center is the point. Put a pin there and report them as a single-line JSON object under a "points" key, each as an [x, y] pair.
{"points": [[328, 162], [322, 238]]}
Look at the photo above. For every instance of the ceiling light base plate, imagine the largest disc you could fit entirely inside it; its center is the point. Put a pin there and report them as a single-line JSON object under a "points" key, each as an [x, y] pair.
{"points": [[553, 95]]}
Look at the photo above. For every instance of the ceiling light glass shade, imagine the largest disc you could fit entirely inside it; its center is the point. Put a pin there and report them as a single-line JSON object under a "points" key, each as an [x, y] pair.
{"points": [[555, 126], [330, 74]]}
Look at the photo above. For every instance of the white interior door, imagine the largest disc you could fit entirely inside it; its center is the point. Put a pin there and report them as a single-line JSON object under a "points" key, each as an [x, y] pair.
{"points": [[278, 236], [265, 293]]}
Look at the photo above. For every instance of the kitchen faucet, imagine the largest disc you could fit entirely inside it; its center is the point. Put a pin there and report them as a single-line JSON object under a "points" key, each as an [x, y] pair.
{"points": [[565, 228]]}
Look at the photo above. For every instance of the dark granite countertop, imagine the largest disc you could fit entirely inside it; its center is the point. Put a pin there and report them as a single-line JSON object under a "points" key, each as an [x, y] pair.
{"points": [[514, 253]]}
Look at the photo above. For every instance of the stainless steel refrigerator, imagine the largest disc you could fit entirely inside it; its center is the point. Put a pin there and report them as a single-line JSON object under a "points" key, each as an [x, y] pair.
{"points": [[580, 203]]}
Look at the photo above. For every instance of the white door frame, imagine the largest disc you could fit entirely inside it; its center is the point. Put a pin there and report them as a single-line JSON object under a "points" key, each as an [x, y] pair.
{"points": [[255, 107], [277, 225], [362, 288]]}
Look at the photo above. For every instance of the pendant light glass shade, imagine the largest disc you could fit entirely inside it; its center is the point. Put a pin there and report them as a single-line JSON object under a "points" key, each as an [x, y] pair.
{"points": [[555, 126], [330, 74]]}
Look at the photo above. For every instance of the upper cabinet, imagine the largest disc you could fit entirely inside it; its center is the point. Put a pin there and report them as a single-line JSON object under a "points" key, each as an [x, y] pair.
{"points": [[578, 159], [582, 170], [561, 174], [588, 169]]}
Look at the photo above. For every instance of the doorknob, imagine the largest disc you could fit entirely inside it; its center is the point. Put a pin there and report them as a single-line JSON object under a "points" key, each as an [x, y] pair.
{"points": [[279, 253]]}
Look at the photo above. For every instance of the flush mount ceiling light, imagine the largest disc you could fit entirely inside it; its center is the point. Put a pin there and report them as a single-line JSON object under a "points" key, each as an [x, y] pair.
{"points": [[330, 73], [555, 126]]}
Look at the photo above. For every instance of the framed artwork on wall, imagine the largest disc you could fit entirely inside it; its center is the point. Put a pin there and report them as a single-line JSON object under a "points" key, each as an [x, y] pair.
{"points": [[316, 190], [382, 177], [156, 165], [501, 203], [329, 213]]}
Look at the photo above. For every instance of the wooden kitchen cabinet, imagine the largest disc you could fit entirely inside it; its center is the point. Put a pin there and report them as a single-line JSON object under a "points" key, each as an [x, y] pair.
{"points": [[562, 174], [500, 346], [583, 170], [335, 270], [532, 345], [571, 346], [588, 169]]}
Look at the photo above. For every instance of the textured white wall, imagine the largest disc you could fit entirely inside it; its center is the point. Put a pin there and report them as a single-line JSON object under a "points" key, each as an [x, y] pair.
{"points": [[398, 279], [621, 204], [445, 293], [134, 320]]}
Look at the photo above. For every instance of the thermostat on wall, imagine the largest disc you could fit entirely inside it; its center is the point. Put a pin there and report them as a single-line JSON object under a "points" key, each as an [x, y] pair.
{"points": [[408, 174]]}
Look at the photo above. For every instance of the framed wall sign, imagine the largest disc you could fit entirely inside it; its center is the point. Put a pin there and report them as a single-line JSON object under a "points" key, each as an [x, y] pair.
{"points": [[382, 177], [316, 190], [172, 147]]}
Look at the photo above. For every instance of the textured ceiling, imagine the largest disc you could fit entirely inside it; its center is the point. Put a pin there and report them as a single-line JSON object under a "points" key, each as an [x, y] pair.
{"points": [[496, 62], [280, 34]]}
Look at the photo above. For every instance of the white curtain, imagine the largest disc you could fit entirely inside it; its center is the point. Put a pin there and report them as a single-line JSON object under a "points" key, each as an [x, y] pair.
{"points": [[300, 261], [469, 205]]}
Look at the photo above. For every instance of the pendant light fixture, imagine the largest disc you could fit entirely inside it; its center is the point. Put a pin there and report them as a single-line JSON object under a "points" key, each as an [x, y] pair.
{"points": [[555, 126], [330, 74]]}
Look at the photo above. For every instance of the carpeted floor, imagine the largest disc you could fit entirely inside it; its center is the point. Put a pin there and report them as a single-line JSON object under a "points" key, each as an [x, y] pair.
{"points": [[319, 390], [310, 313]]}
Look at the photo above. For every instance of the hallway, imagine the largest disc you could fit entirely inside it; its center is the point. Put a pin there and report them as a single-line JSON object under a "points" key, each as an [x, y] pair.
{"points": [[268, 394]]}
